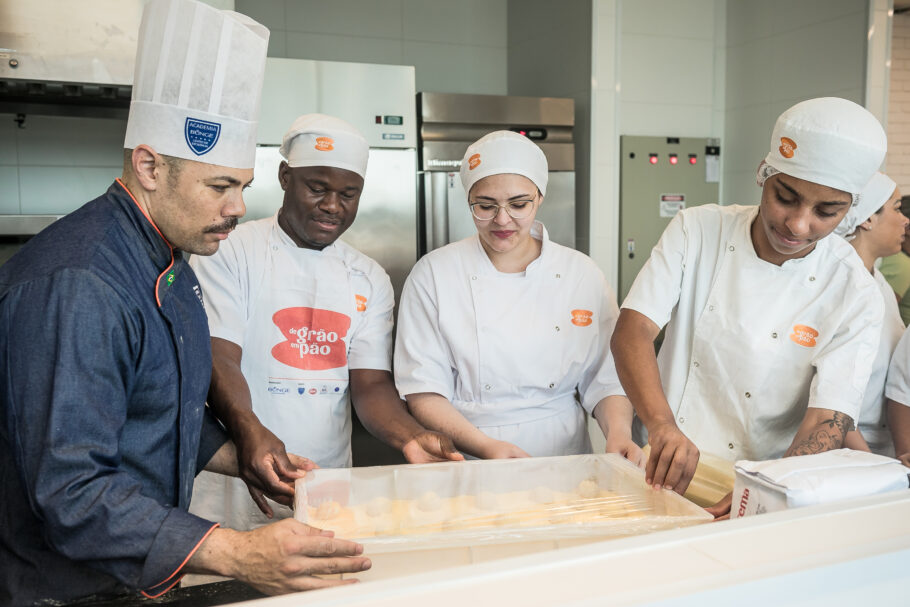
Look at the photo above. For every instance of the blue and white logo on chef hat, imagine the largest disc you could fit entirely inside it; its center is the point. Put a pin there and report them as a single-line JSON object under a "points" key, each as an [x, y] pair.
{"points": [[201, 135]]}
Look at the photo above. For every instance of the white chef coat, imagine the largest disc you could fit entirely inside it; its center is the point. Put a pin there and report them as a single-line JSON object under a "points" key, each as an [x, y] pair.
{"points": [[897, 386], [873, 421], [750, 344], [303, 319], [512, 352]]}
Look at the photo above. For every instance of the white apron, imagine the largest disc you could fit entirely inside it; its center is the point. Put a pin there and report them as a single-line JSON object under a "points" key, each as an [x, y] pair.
{"points": [[295, 363]]}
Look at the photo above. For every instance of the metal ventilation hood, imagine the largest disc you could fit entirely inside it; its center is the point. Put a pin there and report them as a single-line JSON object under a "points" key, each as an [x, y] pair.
{"points": [[69, 58]]}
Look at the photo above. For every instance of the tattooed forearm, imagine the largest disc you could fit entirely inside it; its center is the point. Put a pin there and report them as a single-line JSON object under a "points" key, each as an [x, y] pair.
{"points": [[826, 435]]}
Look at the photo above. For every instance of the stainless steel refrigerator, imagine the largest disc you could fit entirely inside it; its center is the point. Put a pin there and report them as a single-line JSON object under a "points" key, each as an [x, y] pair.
{"points": [[449, 123]]}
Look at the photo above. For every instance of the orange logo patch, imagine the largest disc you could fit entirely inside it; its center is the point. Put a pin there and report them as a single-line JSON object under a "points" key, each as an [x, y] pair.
{"points": [[361, 303], [804, 336], [325, 144], [313, 338], [473, 162], [582, 318], [787, 146]]}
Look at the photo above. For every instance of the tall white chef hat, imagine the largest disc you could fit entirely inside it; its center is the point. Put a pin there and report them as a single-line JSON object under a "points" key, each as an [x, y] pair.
{"points": [[504, 152], [872, 198], [197, 83], [320, 140], [829, 141]]}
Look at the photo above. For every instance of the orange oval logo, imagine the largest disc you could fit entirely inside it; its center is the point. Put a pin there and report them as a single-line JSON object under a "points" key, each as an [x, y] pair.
{"points": [[582, 318], [361, 303], [804, 336], [787, 147], [473, 162], [325, 144]]}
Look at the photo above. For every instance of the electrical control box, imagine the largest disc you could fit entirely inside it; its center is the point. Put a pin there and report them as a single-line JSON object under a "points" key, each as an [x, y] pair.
{"points": [[659, 176]]}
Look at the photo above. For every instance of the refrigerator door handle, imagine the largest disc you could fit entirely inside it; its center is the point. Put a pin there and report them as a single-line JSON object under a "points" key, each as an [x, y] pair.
{"points": [[437, 215]]}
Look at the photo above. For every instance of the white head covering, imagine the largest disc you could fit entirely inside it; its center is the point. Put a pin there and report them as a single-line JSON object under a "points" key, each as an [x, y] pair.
{"points": [[504, 152], [197, 83], [320, 140], [829, 141], [872, 198]]}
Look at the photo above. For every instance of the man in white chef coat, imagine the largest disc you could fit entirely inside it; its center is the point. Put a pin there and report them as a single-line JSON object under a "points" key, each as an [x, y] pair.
{"points": [[772, 326], [301, 327]]}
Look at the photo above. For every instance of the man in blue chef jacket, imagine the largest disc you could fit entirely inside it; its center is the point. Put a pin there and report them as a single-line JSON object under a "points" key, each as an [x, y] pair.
{"points": [[105, 355]]}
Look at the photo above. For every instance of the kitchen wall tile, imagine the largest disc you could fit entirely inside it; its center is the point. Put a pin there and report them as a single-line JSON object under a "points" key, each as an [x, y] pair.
{"points": [[9, 190], [453, 68], [56, 190], [468, 22], [745, 142], [269, 13], [739, 188], [59, 141], [669, 18], [8, 148], [665, 119], [805, 62], [325, 47], [806, 13], [368, 18], [669, 70], [748, 74], [278, 43], [748, 20]]}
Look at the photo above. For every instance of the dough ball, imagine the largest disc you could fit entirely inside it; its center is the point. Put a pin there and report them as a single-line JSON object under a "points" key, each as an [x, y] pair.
{"points": [[429, 502], [379, 506], [327, 510], [542, 495], [588, 489]]}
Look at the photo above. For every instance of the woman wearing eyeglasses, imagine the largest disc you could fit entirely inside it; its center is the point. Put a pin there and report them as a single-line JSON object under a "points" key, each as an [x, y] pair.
{"points": [[503, 337]]}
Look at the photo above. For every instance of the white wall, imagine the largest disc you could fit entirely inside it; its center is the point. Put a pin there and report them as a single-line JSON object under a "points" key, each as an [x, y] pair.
{"points": [[456, 47], [781, 52], [658, 69], [898, 160]]}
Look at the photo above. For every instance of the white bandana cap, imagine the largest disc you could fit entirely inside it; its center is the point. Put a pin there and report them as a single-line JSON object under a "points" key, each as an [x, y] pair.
{"points": [[197, 83], [502, 152], [871, 199], [828, 141], [320, 140]]}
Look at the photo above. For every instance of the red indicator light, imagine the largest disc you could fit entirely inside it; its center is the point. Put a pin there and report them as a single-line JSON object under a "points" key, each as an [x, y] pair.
{"points": [[673, 159], [378, 119], [652, 159], [693, 159]]}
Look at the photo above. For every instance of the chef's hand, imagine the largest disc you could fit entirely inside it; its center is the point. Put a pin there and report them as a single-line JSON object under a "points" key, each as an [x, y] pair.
{"points": [[280, 557], [673, 458], [427, 447], [267, 468], [721, 510], [904, 458], [499, 449], [626, 447]]}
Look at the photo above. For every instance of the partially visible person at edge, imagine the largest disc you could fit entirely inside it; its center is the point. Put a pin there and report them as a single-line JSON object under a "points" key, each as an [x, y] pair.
{"points": [[105, 347], [301, 327], [896, 270], [876, 228], [771, 326], [503, 336]]}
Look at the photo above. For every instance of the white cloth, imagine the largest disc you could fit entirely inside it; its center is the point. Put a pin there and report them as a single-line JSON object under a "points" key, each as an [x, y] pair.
{"points": [[750, 344], [873, 421], [502, 152], [303, 319], [197, 83], [320, 140], [510, 351], [871, 199], [829, 141]]}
